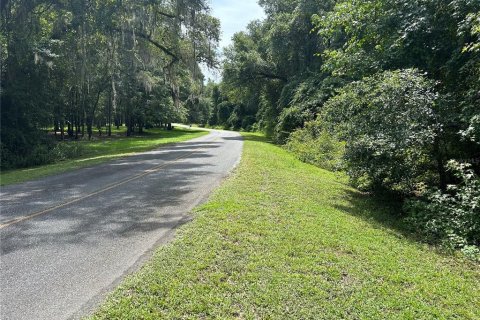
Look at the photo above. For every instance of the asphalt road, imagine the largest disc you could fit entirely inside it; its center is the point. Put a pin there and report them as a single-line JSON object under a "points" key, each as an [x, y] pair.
{"points": [[68, 239]]}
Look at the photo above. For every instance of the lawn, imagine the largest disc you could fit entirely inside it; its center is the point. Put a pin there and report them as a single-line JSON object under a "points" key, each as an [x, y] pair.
{"points": [[103, 149], [281, 239]]}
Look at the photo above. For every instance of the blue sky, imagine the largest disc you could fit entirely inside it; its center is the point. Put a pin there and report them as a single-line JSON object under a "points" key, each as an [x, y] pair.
{"points": [[234, 16]]}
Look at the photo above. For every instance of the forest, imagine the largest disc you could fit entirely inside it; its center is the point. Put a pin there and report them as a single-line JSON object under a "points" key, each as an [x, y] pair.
{"points": [[73, 67], [387, 91]]}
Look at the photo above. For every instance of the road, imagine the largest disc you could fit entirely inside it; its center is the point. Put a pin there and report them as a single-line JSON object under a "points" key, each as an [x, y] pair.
{"points": [[68, 239]]}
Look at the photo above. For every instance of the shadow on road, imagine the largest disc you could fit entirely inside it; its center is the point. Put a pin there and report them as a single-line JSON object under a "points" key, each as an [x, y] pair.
{"points": [[134, 209]]}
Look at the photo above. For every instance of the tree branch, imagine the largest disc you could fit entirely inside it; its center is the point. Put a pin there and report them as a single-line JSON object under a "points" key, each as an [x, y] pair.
{"points": [[155, 43], [271, 76], [158, 45]]}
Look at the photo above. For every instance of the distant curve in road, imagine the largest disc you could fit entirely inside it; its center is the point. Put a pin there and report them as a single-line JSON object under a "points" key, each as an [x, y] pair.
{"points": [[66, 240]]}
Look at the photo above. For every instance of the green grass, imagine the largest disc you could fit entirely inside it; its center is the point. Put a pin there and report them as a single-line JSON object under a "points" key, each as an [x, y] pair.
{"points": [[281, 239], [102, 150]]}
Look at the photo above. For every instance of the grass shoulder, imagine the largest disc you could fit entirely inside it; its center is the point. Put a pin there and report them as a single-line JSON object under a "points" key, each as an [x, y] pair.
{"points": [[281, 239], [100, 150]]}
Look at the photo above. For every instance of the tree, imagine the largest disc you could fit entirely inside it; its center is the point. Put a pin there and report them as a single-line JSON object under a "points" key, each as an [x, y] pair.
{"points": [[88, 63]]}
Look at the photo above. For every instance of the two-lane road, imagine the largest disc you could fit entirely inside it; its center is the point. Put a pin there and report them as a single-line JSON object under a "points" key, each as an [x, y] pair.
{"points": [[68, 239]]}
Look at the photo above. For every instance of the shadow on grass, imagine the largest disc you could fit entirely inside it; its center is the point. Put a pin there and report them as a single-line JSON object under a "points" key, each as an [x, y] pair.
{"points": [[257, 137], [381, 211], [158, 132], [149, 134]]}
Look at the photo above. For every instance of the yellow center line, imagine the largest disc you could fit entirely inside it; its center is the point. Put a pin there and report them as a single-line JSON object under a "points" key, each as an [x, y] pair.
{"points": [[112, 186]]}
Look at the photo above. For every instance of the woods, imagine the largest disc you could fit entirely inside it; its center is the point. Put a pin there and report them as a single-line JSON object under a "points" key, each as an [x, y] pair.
{"points": [[75, 67], [386, 90]]}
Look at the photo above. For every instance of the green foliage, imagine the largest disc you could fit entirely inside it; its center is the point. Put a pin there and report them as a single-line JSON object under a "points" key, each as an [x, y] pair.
{"points": [[302, 100], [451, 217], [224, 110], [473, 131], [88, 64], [389, 125], [19, 149], [34, 151], [315, 145], [290, 119], [268, 62], [366, 37], [68, 150]]}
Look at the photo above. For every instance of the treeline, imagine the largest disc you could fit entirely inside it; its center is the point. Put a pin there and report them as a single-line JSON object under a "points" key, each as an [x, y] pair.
{"points": [[73, 66], [386, 90]]}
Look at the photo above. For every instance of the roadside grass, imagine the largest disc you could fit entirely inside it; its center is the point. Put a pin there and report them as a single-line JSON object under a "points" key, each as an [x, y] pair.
{"points": [[281, 239], [101, 150]]}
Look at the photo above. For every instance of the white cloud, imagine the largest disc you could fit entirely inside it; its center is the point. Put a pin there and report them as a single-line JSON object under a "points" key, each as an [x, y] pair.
{"points": [[234, 16]]}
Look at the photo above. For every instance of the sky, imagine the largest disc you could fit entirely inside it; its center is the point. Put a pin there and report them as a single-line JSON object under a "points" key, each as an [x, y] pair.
{"points": [[234, 16]]}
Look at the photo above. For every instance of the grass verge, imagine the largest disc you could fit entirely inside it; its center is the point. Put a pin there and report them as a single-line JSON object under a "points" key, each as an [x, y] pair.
{"points": [[102, 150], [281, 239]]}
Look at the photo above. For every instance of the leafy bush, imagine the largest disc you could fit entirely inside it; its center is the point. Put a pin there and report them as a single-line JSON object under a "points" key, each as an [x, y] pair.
{"points": [[19, 150], [451, 217], [389, 125], [43, 150], [67, 150], [315, 145], [233, 121], [472, 133], [224, 110], [290, 119], [301, 101], [248, 122]]}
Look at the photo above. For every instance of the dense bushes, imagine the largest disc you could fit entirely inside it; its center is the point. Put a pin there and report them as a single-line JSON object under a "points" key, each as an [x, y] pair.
{"points": [[390, 131], [44, 151], [451, 217], [315, 145], [289, 120], [389, 126], [19, 149]]}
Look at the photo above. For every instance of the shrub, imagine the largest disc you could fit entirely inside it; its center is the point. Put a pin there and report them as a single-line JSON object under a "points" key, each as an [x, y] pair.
{"points": [[389, 125], [290, 119], [451, 217], [315, 145], [67, 150], [301, 100], [248, 122], [19, 150]]}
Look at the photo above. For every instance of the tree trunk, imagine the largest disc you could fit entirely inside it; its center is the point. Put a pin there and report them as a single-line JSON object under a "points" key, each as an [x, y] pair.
{"points": [[442, 172], [62, 130], [89, 127], [110, 103]]}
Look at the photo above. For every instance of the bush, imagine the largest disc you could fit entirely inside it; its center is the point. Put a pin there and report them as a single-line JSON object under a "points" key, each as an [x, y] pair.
{"points": [[67, 150], [248, 123], [301, 100], [389, 125], [43, 150], [451, 217], [290, 119], [19, 149], [314, 145]]}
